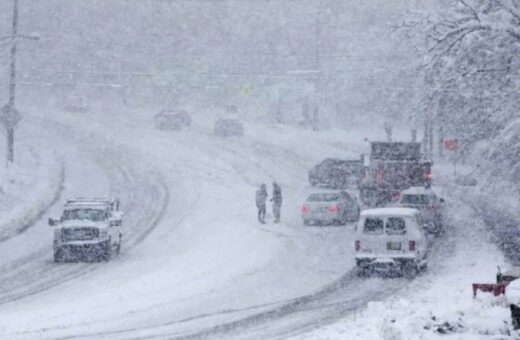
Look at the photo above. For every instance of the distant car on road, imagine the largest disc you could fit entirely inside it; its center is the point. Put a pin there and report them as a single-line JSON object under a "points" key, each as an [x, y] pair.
{"points": [[88, 226], [76, 103], [337, 173], [172, 120], [390, 240], [430, 206], [226, 127], [337, 207]]}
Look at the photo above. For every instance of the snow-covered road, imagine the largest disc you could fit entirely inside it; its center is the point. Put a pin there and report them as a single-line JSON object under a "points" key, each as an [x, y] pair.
{"points": [[195, 262]]}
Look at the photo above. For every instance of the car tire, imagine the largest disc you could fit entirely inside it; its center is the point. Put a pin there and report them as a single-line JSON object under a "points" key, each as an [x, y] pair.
{"points": [[118, 248], [58, 255], [410, 270], [106, 253], [362, 272]]}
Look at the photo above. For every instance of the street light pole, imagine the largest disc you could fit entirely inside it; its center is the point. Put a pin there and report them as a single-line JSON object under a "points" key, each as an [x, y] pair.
{"points": [[12, 83], [9, 116]]}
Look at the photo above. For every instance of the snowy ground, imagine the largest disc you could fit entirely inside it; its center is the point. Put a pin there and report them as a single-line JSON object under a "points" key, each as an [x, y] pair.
{"points": [[197, 264]]}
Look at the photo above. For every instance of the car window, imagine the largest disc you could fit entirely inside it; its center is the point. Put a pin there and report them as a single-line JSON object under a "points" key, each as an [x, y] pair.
{"points": [[395, 226], [324, 197], [95, 215], [415, 199], [373, 226]]}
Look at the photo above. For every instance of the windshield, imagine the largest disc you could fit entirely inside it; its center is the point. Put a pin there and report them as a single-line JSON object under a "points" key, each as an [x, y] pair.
{"points": [[331, 197], [84, 214]]}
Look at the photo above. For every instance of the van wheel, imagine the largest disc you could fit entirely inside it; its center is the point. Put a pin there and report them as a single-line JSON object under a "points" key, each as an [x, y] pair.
{"points": [[118, 248], [410, 270], [58, 255], [106, 251], [362, 271]]}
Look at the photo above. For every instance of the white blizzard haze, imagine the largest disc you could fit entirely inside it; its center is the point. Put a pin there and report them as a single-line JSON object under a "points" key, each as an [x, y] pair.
{"points": [[307, 80]]}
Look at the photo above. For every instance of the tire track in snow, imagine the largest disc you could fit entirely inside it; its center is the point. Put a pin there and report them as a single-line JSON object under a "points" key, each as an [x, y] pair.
{"points": [[144, 198]]}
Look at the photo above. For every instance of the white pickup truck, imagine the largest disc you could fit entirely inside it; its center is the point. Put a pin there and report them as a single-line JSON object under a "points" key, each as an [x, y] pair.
{"points": [[88, 226]]}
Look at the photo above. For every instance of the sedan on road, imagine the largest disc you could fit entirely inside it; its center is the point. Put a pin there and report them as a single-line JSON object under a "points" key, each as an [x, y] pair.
{"points": [[337, 207]]}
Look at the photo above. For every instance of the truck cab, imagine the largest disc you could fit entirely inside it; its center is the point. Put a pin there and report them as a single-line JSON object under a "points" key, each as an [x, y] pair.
{"points": [[393, 167], [88, 226]]}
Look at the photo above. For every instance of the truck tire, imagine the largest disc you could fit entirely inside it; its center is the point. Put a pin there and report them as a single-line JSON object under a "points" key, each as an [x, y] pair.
{"points": [[58, 255], [106, 251], [361, 271], [118, 248]]}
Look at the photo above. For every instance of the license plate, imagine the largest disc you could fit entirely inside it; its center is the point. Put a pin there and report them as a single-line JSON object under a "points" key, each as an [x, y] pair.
{"points": [[393, 246]]}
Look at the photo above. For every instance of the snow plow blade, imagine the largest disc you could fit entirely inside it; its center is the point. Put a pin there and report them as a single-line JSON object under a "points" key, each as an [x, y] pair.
{"points": [[495, 288]]}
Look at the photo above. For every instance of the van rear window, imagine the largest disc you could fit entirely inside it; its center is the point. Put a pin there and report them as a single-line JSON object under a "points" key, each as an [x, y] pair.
{"points": [[373, 226], [395, 226]]}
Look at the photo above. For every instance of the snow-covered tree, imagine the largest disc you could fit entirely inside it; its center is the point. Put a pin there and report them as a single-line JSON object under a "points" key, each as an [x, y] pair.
{"points": [[471, 59]]}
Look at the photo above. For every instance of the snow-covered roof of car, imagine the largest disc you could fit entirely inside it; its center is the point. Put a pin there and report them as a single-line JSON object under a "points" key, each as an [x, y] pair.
{"points": [[94, 202], [390, 212]]}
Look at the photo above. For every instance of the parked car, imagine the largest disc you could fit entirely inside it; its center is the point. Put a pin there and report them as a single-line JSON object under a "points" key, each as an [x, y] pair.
{"points": [[226, 127], [391, 240], [430, 206], [88, 226], [466, 181], [330, 208], [172, 120], [337, 173]]}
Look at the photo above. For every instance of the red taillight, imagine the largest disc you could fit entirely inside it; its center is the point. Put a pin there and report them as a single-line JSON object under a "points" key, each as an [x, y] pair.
{"points": [[379, 176], [334, 208], [411, 245], [358, 245], [305, 209], [428, 176]]}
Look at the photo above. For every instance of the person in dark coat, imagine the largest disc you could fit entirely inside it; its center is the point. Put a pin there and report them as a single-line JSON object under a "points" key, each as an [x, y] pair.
{"points": [[261, 197], [277, 201]]}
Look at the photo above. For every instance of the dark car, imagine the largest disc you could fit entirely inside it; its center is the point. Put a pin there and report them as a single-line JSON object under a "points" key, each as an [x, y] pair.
{"points": [[337, 173], [227, 127], [171, 120], [330, 208]]}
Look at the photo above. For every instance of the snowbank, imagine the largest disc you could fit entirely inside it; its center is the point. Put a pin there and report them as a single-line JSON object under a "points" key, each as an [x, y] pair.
{"points": [[27, 189]]}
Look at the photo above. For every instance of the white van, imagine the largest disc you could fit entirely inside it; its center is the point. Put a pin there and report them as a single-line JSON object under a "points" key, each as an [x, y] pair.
{"points": [[391, 239]]}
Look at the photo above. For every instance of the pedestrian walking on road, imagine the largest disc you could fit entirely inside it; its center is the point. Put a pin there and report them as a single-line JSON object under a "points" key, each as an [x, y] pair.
{"points": [[261, 197], [277, 202]]}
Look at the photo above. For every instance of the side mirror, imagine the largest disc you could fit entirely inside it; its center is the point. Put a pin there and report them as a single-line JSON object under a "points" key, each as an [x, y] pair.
{"points": [[53, 221]]}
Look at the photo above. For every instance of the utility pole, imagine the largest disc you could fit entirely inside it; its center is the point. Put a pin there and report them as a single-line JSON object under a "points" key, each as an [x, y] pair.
{"points": [[12, 86], [317, 66], [9, 116]]}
